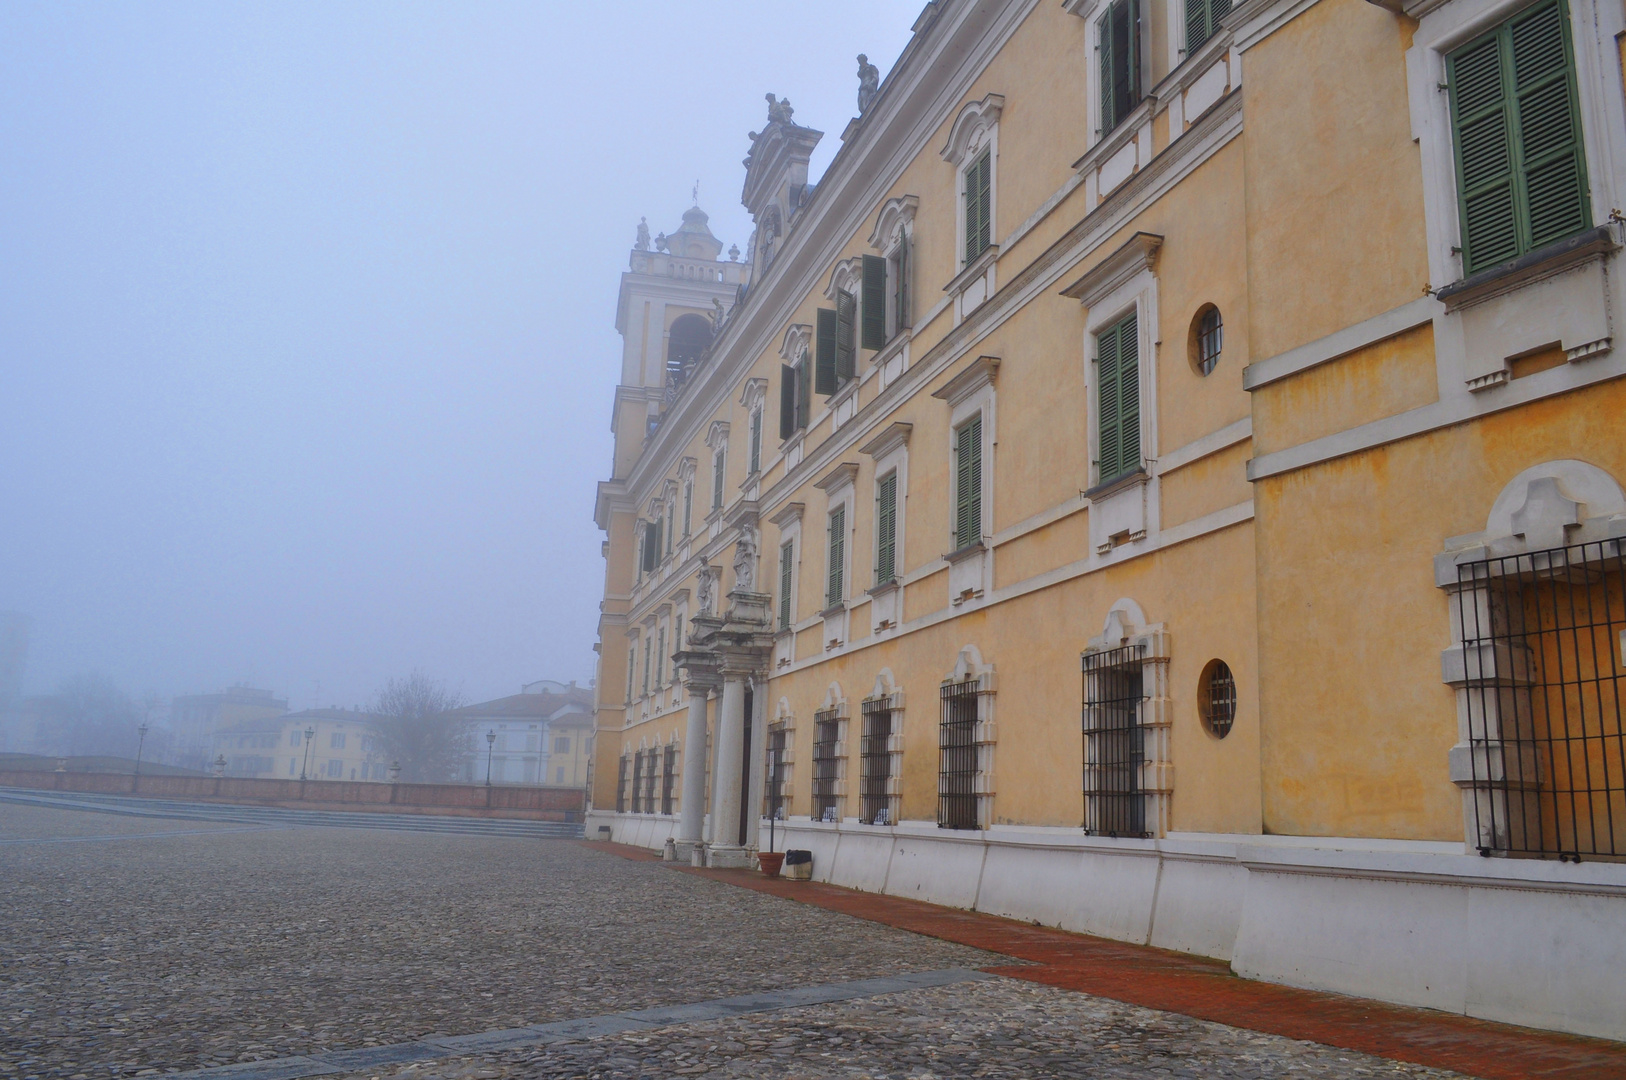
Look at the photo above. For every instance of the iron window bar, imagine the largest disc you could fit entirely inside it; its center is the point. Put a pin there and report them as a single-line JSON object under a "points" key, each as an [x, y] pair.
{"points": [[1544, 656], [875, 765], [957, 757], [668, 778], [774, 793], [826, 732], [649, 781], [621, 787], [1114, 742]]}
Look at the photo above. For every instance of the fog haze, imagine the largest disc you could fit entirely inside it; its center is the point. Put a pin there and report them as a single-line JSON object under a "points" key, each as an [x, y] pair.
{"points": [[306, 343]]}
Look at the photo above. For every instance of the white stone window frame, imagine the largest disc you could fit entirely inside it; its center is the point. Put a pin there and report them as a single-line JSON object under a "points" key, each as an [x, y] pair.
{"points": [[890, 452], [686, 471], [887, 691], [785, 716], [753, 399], [970, 666], [970, 393], [847, 276], [835, 701], [975, 129], [789, 522], [840, 488], [1465, 350], [1127, 512], [892, 237], [1554, 504], [1091, 12], [632, 667], [717, 442], [1126, 625], [796, 347]]}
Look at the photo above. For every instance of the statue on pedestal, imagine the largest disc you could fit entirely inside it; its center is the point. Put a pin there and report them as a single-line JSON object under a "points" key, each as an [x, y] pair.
{"points": [[869, 83], [779, 111], [643, 235], [745, 559], [705, 591]]}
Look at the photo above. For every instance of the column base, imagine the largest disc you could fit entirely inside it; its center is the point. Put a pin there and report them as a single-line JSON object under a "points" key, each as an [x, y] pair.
{"points": [[731, 857], [692, 852]]}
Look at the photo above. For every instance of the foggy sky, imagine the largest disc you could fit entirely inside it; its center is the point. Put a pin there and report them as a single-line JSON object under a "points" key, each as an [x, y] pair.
{"points": [[306, 342]]}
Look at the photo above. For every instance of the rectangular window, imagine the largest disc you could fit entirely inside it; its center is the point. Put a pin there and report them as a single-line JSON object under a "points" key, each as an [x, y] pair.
{"points": [[1114, 743], [826, 379], [1118, 37], [688, 506], [874, 307], [651, 775], [677, 639], [886, 528], [646, 667], [337, 740], [632, 662], [660, 658], [637, 782], [293, 738], [335, 769], [786, 566], [718, 470], [292, 766], [957, 757], [1203, 21], [561, 745], [1521, 170], [1544, 653], [668, 778], [900, 287], [804, 391], [836, 584], [846, 337], [979, 225], [671, 512], [968, 483], [875, 765], [773, 795], [826, 765], [1118, 399], [756, 441], [787, 401], [559, 775]]}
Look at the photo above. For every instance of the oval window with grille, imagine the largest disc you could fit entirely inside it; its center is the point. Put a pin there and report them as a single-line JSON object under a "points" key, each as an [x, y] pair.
{"points": [[1207, 339], [1216, 698]]}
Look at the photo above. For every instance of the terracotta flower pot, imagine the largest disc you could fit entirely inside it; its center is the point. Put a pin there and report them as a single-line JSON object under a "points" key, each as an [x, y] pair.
{"points": [[770, 861]]}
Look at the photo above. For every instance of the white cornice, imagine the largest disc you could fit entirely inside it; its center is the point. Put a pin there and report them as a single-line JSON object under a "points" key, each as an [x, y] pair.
{"points": [[1137, 253], [975, 117], [842, 476], [795, 342], [981, 372], [789, 514], [898, 213], [892, 437]]}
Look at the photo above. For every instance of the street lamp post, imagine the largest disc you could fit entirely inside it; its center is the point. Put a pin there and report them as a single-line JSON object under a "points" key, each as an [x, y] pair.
{"points": [[491, 744], [310, 733], [135, 778]]}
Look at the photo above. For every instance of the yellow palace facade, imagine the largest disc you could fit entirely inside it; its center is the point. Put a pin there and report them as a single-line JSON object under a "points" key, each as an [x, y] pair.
{"points": [[1164, 481]]}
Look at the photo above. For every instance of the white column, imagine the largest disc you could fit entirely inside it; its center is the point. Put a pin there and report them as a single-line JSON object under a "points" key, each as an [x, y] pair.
{"points": [[725, 781], [692, 821], [757, 788]]}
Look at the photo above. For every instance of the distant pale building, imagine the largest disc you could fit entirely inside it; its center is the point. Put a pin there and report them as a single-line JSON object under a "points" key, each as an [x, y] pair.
{"points": [[316, 744], [542, 736], [197, 718]]}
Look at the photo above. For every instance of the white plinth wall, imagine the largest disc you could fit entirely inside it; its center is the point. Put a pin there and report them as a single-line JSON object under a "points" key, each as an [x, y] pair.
{"points": [[1537, 943]]}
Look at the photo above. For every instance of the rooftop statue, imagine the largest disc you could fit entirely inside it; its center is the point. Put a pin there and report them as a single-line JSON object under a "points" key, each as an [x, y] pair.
{"points": [[779, 111], [643, 235], [869, 83]]}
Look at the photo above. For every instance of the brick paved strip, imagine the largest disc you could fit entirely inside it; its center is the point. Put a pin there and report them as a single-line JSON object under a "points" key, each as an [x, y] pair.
{"points": [[1208, 990], [588, 1027]]}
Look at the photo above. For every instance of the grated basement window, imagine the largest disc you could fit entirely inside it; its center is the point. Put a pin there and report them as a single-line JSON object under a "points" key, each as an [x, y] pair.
{"points": [[621, 787], [875, 765], [1544, 650], [668, 779], [649, 781], [774, 789], [826, 731], [1114, 743], [957, 757]]}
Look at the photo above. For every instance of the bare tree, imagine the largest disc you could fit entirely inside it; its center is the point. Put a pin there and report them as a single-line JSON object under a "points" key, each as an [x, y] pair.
{"points": [[95, 717], [415, 725]]}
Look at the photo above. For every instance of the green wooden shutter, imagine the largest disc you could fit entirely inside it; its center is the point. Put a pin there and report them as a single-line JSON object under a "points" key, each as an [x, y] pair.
{"points": [[968, 483], [846, 336], [1118, 37], [838, 556], [901, 297], [978, 206], [655, 550], [1118, 399], [1521, 170], [804, 391], [717, 471], [787, 401], [668, 530], [874, 314], [886, 529], [972, 229], [677, 635], [824, 352], [1203, 21], [1551, 161], [660, 657], [756, 441], [688, 506], [785, 564]]}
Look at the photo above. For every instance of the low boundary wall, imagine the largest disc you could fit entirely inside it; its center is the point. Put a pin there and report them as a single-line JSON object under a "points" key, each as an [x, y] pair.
{"points": [[458, 800]]}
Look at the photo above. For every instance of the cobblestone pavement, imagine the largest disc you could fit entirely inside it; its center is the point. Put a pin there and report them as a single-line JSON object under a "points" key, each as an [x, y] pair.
{"points": [[166, 952], [999, 1029]]}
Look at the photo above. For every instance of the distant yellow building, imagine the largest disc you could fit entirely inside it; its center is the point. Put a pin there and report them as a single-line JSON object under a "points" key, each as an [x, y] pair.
{"points": [[194, 719], [1163, 480], [316, 744]]}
